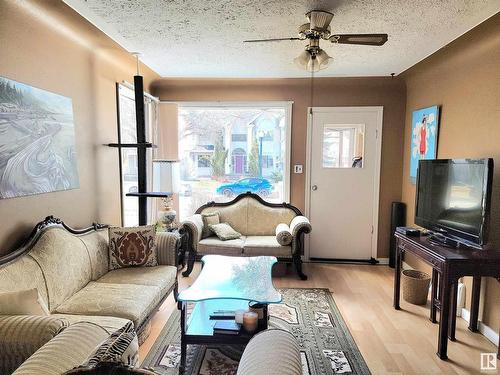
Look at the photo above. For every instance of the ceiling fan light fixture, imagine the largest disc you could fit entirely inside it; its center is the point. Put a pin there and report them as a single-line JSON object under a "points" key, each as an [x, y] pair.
{"points": [[323, 59], [313, 62], [303, 59]]}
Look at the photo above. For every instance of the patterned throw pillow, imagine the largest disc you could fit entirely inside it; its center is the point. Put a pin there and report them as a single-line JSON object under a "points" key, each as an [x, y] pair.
{"points": [[122, 346], [224, 231], [209, 219], [129, 247], [283, 235], [111, 368]]}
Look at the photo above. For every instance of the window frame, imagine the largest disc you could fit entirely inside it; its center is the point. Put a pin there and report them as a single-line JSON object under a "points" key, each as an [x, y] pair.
{"points": [[286, 105]]}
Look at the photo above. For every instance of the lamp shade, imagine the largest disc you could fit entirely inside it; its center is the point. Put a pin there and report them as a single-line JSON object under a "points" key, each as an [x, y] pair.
{"points": [[312, 63], [167, 132], [166, 176], [303, 59]]}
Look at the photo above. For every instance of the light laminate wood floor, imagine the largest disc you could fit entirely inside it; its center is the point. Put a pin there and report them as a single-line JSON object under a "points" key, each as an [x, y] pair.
{"points": [[392, 342]]}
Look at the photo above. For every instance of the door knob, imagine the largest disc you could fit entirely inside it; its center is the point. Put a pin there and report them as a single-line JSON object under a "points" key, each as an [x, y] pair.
{"points": [[314, 187]]}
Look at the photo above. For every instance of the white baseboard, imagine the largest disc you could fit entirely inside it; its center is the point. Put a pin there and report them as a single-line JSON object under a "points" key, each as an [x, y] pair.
{"points": [[383, 261], [485, 330]]}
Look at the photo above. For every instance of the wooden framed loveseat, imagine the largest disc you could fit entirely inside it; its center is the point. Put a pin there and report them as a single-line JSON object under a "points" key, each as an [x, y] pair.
{"points": [[257, 221]]}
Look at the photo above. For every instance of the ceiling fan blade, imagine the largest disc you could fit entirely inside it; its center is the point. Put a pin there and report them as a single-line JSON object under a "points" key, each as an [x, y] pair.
{"points": [[269, 40], [361, 39], [319, 19]]}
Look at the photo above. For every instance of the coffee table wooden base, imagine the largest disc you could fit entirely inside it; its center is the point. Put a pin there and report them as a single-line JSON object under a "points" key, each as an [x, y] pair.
{"points": [[197, 329]]}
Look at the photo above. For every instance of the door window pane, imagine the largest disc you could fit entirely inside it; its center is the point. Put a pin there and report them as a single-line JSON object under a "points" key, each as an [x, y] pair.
{"points": [[343, 146], [227, 150]]}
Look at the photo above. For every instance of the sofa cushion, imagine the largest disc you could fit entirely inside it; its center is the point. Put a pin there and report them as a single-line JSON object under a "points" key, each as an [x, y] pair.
{"points": [[283, 234], [209, 219], [263, 220], [23, 273], [133, 302], [96, 243], [235, 215], [162, 277], [224, 231], [132, 247], [265, 245], [109, 323], [65, 264], [23, 302], [212, 245]]}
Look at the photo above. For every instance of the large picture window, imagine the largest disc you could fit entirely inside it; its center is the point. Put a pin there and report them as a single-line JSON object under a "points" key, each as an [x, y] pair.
{"points": [[226, 149]]}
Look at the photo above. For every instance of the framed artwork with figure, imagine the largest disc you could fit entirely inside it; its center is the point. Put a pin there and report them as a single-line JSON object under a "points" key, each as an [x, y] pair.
{"points": [[424, 137]]}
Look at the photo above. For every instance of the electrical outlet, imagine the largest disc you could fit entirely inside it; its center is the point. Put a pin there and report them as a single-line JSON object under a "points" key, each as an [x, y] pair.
{"points": [[297, 168]]}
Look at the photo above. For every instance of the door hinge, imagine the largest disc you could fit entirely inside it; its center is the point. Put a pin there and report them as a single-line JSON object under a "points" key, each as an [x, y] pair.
{"points": [[372, 229], [376, 133]]}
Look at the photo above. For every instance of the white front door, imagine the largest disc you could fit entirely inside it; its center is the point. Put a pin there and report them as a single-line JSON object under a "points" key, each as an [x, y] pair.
{"points": [[343, 178]]}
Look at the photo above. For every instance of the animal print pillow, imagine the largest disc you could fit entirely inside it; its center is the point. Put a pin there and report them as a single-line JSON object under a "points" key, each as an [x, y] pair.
{"points": [[122, 346], [132, 247]]}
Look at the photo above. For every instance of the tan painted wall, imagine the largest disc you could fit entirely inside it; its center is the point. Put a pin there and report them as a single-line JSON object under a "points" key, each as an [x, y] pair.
{"points": [[464, 78], [48, 45], [328, 92]]}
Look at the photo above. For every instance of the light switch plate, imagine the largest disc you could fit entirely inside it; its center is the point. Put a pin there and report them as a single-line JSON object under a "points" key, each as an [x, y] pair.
{"points": [[297, 168]]}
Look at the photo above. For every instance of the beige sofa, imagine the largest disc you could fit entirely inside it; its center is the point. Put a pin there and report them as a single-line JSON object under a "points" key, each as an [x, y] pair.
{"points": [[69, 268], [256, 220]]}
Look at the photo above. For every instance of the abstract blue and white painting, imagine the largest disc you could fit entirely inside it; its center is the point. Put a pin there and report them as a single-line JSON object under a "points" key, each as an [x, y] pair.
{"points": [[424, 133], [37, 141]]}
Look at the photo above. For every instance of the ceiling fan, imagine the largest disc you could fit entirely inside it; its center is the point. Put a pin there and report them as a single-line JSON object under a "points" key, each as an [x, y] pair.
{"points": [[318, 27]]}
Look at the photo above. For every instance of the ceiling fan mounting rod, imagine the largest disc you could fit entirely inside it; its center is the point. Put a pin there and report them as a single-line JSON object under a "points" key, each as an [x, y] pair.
{"points": [[313, 47], [306, 32]]}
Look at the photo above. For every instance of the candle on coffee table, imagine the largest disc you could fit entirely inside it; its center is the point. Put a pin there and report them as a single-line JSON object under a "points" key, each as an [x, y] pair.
{"points": [[250, 321]]}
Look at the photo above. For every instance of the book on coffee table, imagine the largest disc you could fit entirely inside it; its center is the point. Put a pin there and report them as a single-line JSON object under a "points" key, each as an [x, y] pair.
{"points": [[226, 327], [223, 315]]}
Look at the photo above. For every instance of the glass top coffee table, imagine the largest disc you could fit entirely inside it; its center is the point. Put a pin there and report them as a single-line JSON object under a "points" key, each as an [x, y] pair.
{"points": [[225, 284]]}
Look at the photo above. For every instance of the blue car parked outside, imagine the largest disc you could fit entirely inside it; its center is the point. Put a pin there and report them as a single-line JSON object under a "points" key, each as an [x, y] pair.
{"points": [[260, 186]]}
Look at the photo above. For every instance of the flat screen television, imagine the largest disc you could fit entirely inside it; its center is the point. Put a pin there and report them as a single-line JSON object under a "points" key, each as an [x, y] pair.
{"points": [[453, 198]]}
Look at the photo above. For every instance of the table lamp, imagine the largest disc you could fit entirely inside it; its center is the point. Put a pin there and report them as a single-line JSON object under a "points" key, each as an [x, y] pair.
{"points": [[166, 180]]}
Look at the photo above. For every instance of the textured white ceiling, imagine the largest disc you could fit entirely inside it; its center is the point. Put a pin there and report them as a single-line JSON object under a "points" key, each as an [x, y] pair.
{"points": [[189, 38]]}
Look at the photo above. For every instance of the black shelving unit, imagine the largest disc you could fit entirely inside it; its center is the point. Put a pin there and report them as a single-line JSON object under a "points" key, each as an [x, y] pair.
{"points": [[142, 145], [132, 145], [151, 194]]}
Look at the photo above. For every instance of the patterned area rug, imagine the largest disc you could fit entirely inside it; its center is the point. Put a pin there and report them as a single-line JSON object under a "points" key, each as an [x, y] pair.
{"points": [[327, 346]]}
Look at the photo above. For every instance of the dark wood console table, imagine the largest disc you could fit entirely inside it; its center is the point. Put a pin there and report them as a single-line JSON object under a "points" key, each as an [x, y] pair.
{"points": [[448, 265]]}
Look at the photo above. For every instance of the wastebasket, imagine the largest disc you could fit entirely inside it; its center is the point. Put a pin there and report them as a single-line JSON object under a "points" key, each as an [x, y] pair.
{"points": [[415, 286]]}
